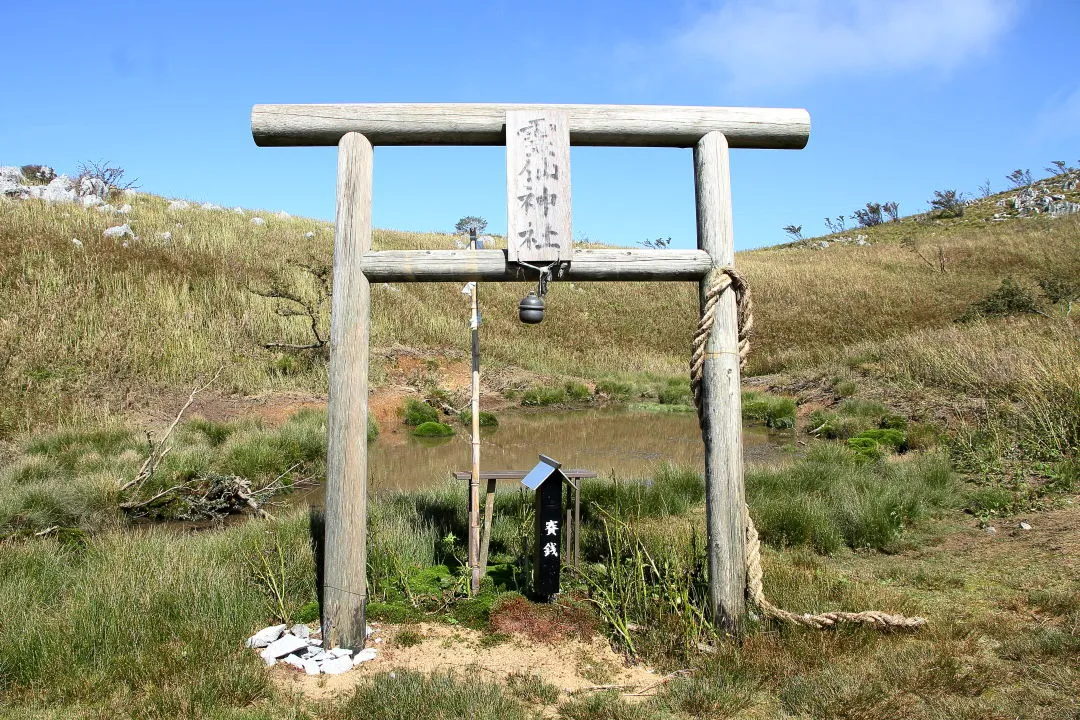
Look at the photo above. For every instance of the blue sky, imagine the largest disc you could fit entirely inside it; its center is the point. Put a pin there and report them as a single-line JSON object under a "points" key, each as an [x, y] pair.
{"points": [[905, 97]]}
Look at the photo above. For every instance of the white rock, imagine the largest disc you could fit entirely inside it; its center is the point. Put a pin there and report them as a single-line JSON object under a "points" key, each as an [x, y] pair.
{"points": [[368, 630], [265, 636], [364, 655], [257, 221], [300, 630], [119, 231], [341, 652], [309, 234], [311, 667], [283, 215], [105, 208], [179, 205], [92, 186], [76, 242], [285, 645], [238, 210], [317, 642], [1024, 525], [59, 190], [90, 201], [270, 662], [294, 661], [310, 653], [991, 530], [179, 225], [336, 666], [10, 187], [124, 209], [378, 640], [210, 206], [166, 236], [128, 192], [323, 655], [12, 174]]}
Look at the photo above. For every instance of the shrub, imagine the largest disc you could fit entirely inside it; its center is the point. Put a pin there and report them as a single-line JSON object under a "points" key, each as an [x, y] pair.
{"points": [[486, 419], [417, 413], [539, 396], [577, 391], [433, 429], [948, 203], [1009, 299], [772, 410], [614, 389], [869, 216]]}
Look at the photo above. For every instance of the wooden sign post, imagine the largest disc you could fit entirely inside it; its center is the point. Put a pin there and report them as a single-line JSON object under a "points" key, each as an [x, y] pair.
{"points": [[710, 131]]}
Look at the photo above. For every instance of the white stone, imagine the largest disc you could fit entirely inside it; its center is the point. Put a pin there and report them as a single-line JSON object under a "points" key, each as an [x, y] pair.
{"points": [[364, 655], [257, 221], [76, 242], [11, 174], [59, 190], [105, 208], [124, 209], [179, 205], [309, 234], [238, 210], [265, 636], [336, 666], [294, 661], [310, 653], [270, 662], [285, 645], [119, 231], [88, 201], [341, 652], [210, 206], [1024, 525], [300, 630], [92, 186], [323, 655], [315, 641], [166, 236], [311, 667], [283, 215]]}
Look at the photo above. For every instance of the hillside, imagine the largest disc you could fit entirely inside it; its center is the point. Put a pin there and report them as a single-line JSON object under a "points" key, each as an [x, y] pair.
{"points": [[94, 326]]}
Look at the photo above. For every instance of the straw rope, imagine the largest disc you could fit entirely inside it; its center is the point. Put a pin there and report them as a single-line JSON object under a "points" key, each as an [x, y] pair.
{"points": [[727, 279]]}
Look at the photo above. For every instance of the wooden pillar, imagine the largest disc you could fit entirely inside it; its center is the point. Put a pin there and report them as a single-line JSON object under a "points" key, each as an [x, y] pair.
{"points": [[721, 393], [345, 589]]}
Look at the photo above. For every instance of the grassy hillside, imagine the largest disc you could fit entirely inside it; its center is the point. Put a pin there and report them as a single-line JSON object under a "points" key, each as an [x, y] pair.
{"points": [[98, 328]]}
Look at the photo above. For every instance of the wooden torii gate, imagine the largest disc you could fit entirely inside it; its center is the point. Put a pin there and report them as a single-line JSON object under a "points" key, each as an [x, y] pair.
{"points": [[356, 128]]}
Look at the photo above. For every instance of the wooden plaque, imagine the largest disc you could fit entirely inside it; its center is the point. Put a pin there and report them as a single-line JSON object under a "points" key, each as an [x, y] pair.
{"points": [[538, 186]]}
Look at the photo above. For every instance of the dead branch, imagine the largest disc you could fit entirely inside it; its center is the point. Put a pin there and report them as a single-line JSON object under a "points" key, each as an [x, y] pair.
{"points": [[156, 454]]}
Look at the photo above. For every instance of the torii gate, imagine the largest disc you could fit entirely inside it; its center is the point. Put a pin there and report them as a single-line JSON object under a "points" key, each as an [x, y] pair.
{"points": [[356, 128]]}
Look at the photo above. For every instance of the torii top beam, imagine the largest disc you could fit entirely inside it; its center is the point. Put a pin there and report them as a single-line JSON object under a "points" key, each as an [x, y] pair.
{"points": [[484, 124]]}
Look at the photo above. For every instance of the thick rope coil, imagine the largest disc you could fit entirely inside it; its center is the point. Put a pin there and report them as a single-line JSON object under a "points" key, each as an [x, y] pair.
{"points": [[722, 281]]}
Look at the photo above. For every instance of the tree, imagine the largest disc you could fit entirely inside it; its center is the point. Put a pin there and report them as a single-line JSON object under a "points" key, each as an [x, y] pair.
{"points": [[869, 216], [892, 210], [1019, 178], [836, 225], [948, 203], [470, 222], [795, 231], [657, 244]]}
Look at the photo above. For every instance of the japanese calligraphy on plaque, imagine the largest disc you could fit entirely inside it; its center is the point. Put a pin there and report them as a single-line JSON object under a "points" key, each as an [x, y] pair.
{"points": [[538, 186]]}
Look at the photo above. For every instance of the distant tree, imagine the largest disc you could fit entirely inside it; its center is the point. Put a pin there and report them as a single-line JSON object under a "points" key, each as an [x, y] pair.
{"points": [[657, 244], [869, 216], [1019, 178], [836, 225], [892, 210], [948, 203], [795, 231], [986, 189], [469, 222], [1059, 167]]}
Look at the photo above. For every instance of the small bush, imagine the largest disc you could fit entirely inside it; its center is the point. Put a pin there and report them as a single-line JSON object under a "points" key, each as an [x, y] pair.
{"points": [[433, 429], [540, 396], [417, 413], [948, 203], [772, 410], [1009, 299], [868, 217], [486, 419], [577, 391], [675, 391], [616, 389], [408, 637]]}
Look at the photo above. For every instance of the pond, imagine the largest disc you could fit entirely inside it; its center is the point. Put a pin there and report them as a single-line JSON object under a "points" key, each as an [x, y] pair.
{"points": [[627, 442]]}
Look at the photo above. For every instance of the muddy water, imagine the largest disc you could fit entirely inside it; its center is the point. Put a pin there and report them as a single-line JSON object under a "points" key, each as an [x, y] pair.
{"points": [[628, 443]]}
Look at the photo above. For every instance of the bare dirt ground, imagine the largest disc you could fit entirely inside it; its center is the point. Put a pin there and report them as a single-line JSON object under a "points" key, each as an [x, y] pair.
{"points": [[443, 648]]}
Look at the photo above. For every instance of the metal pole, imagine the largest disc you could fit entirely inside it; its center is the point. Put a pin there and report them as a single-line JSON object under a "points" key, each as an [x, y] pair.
{"points": [[474, 481]]}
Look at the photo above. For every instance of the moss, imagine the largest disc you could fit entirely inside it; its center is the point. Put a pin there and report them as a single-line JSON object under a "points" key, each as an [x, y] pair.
{"points": [[308, 612], [889, 437], [399, 612], [865, 447], [417, 413], [433, 429]]}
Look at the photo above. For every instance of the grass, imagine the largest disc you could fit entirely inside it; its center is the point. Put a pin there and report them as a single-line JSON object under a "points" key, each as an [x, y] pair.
{"points": [[770, 410]]}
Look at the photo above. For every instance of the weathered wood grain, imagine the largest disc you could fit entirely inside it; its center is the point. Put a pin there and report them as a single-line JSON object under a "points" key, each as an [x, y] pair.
{"points": [[722, 400], [492, 265], [345, 590], [482, 124], [538, 187]]}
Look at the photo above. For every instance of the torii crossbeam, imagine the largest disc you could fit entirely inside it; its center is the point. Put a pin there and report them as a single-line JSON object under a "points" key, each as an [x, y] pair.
{"points": [[356, 128]]}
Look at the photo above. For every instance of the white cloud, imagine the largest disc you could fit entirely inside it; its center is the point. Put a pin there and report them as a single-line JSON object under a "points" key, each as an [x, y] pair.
{"points": [[1061, 118], [757, 43]]}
